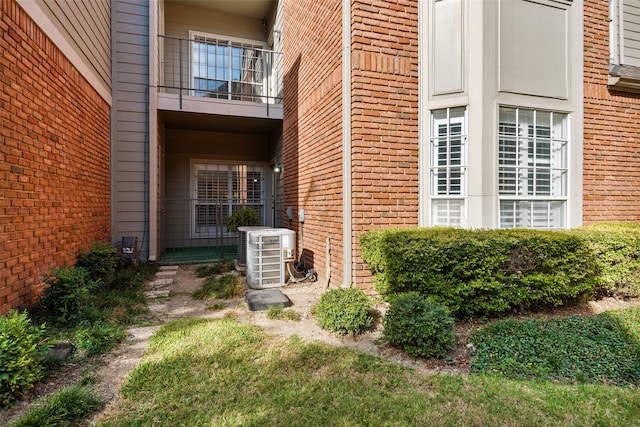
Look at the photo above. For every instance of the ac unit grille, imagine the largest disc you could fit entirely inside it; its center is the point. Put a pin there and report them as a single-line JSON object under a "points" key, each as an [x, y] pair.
{"points": [[266, 266]]}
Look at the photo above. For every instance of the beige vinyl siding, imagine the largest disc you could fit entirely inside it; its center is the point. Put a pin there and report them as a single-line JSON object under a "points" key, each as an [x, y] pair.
{"points": [[276, 42], [631, 32], [180, 19], [181, 147], [87, 24], [130, 149]]}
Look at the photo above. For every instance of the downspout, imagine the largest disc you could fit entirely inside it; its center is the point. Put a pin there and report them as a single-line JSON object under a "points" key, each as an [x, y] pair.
{"points": [[423, 131], [347, 222], [153, 131]]}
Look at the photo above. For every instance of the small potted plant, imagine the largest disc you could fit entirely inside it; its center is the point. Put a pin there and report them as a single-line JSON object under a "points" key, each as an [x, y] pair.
{"points": [[243, 217]]}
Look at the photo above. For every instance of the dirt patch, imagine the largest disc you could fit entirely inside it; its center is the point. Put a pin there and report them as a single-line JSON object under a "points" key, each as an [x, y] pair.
{"points": [[174, 301]]}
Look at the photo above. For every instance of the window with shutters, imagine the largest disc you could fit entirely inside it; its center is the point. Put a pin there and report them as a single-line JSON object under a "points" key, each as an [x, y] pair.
{"points": [[448, 167], [532, 168], [221, 189]]}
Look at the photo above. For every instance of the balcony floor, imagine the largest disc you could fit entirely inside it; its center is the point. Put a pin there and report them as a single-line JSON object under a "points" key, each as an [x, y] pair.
{"points": [[222, 107]]}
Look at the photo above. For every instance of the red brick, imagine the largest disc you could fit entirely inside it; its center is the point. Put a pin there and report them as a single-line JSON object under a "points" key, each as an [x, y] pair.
{"points": [[611, 172], [384, 118], [44, 193]]}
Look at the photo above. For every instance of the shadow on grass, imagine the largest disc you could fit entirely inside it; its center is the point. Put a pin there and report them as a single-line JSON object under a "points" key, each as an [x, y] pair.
{"points": [[220, 372]]}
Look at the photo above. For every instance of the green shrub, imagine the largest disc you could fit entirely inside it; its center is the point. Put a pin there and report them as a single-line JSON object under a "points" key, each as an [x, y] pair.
{"points": [[64, 408], [344, 310], [616, 248], [421, 327], [479, 273], [600, 349], [101, 262], [243, 217], [21, 354], [67, 294]]}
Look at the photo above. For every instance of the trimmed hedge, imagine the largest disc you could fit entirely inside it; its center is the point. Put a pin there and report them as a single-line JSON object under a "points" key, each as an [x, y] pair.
{"points": [[421, 327], [616, 248], [344, 311], [480, 273]]}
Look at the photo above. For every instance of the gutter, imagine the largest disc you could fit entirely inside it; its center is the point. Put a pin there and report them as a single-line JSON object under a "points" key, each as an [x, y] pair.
{"points": [[347, 221]]}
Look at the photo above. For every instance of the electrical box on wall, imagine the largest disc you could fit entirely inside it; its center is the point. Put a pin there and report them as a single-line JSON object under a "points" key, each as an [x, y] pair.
{"points": [[301, 215]]}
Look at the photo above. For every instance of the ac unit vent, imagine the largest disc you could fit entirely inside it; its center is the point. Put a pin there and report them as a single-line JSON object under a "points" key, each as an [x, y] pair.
{"points": [[242, 242], [268, 251]]}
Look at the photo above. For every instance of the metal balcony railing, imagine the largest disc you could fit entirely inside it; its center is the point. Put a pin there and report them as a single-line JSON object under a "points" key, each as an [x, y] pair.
{"points": [[219, 69], [197, 228]]}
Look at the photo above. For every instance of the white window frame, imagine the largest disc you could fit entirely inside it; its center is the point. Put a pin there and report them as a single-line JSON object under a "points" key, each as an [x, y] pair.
{"points": [[616, 32], [448, 197], [231, 42], [532, 167], [231, 201]]}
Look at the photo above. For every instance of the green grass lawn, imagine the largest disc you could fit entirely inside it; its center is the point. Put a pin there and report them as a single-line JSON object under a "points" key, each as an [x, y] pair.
{"points": [[223, 373]]}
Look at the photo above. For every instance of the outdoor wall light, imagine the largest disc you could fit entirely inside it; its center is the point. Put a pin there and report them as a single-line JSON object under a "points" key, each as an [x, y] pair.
{"points": [[277, 169]]}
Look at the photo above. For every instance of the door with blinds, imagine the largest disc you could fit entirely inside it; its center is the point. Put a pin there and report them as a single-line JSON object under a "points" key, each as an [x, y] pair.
{"points": [[221, 189]]}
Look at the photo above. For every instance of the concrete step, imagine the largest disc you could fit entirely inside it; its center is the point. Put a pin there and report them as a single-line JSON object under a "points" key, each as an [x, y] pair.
{"points": [[159, 283], [160, 293]]}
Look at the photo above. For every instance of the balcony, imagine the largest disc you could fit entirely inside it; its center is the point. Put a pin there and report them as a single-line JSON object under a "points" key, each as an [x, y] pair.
{"points": [[216, 76]]}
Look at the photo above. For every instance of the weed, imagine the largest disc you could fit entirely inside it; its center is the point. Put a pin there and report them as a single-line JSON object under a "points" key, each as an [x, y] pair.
{"points": [[224, 287], [280, 313], [213, 269], [98, 338], [275, 312], [67, 293], [100, 261], [231, 314], [291, 315], [63, 408], [21, 355], [216, 306]]}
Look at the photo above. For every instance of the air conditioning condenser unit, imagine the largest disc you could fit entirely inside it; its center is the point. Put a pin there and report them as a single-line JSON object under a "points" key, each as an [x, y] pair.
{"points": [[268, 252]]}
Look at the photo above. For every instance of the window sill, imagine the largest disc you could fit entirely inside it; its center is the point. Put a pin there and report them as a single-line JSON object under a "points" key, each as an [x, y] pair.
{"points": [[624, 78]]}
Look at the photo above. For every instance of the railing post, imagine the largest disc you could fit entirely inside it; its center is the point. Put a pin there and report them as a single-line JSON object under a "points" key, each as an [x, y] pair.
{"points": [[180, 70]]}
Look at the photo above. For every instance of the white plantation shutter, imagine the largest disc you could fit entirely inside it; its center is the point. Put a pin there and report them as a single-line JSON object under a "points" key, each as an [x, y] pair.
{"points": [[532, 168], [219, 190], [448, 158]]}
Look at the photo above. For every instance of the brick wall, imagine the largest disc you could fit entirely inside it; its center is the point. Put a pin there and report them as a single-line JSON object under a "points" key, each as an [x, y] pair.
{"points": [[312, 130], [54, 159], [611, 176], [384, 63], [384, 119]]}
